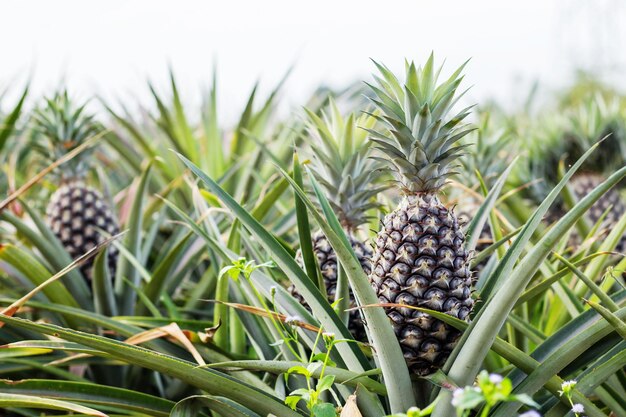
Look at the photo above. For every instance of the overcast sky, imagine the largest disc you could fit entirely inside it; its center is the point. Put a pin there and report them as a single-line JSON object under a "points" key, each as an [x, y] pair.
{"points": [[113, 46]]}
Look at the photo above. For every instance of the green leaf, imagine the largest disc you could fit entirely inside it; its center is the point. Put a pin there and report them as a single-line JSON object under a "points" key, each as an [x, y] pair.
{"points": [[44, 346], [470, 399], [324, 410], [18, 352], [482, 215], [341, 376], [181, 125], [191, 406], [595, 375], [313, 366], [262, 283], [367, 403], [299, 369], [485, 327], [524, 399], [29, 401], [321, 309], [212, 138], [204, 379], [578, 344], [103, 293], [304, 231], [618, 324], [292, 401], [597, 267], [595, 289], [163, 271], [323, 357], [90, 393], [8, 124], [269, 200], [53, 252], [132, 243], [325, 383], [36, 273], [524, 362]]}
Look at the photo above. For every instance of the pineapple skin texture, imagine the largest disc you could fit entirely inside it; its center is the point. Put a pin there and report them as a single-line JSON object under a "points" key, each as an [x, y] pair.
{"points": [[76, 213], [420, 260], [327, 261]]}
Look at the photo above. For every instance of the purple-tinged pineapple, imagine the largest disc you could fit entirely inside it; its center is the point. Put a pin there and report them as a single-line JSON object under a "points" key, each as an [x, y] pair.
{"points": [[341, 163], [77, 213], [419, 258]]}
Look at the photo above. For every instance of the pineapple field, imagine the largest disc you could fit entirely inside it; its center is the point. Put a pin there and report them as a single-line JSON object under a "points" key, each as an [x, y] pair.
{"points": [[388, 249]]}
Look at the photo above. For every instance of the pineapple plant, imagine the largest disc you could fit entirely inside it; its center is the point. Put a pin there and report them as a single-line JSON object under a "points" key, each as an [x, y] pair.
{"points": [[596, 119], [564, 141], [419, 257], [340, 161], [76, 213], [579, 343]]}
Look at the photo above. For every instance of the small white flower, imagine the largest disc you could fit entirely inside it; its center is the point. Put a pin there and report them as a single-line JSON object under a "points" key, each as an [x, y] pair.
{"points": [[328, 335], [567, 386], [531, 413], [456, 396], [495, 378], [578, 408]]}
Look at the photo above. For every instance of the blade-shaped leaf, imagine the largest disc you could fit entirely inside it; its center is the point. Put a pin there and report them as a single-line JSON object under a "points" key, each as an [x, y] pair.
{"points": [[205, 379]]}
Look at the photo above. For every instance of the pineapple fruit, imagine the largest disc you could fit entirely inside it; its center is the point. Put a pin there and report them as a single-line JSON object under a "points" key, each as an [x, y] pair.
{"points": [[76, 212], [341, 163], [419, 256]]}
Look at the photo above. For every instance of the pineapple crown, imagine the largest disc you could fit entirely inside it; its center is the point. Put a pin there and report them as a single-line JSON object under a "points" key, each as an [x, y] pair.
{"points": [[421, 139], [65, 126], [341, 163]]}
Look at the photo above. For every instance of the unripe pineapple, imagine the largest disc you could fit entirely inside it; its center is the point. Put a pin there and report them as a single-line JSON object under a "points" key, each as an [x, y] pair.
{"points": [[419, 257], [341, 163], [77, 214]]}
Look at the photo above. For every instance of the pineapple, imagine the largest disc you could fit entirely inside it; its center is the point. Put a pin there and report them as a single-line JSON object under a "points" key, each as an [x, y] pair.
{"points": [[419, 256], [76, 212], [341, 164]]}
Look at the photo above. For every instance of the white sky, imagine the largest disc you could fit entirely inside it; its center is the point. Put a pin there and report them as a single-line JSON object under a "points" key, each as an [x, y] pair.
{"points": [[113, 46]]}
